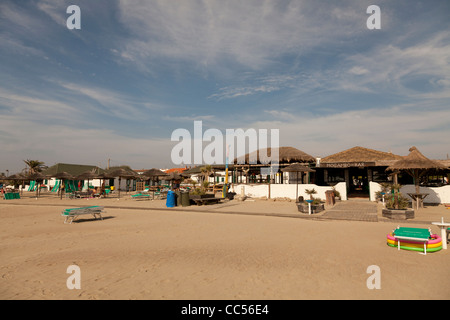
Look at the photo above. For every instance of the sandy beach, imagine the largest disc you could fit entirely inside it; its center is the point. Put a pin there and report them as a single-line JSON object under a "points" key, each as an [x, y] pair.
{"points": [[142, 250]]}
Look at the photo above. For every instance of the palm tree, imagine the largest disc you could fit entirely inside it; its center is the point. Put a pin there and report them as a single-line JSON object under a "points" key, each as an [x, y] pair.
{"points": [[206, 171], [34, 166], [310, 192]]}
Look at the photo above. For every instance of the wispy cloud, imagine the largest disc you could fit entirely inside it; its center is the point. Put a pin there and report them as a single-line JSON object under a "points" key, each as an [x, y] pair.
{"points": [[259, 84], [250, 34]]}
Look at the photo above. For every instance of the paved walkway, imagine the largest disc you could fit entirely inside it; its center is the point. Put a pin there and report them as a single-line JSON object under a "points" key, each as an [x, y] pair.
{"points": [[356, 210]]}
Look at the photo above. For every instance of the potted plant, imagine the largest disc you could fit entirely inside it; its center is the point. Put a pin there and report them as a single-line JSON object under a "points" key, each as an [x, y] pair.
{"points": [[316, 204], [199, 193], [337, 194], [310, 192], [396, 205]]}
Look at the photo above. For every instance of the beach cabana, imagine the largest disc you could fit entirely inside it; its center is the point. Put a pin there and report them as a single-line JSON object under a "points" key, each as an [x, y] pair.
{"points": [[416, 165]]}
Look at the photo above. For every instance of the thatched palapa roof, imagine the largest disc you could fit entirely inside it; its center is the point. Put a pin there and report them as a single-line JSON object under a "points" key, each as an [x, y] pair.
{"points": [[360, 154], [285, 155], [416, 160], [297, 167]]}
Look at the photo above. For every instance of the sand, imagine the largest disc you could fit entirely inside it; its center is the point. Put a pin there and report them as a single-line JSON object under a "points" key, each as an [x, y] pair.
{"points": [[195, 253]]}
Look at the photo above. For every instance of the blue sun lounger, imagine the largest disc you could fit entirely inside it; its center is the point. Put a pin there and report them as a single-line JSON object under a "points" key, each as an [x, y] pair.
{"points": [[73, 213]]}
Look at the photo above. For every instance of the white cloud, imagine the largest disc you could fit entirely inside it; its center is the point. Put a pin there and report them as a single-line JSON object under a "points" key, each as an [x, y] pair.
{"points": [[253, 33], [392, 66], [358, 70], [119, 105], [396, 129], [57, 143]]}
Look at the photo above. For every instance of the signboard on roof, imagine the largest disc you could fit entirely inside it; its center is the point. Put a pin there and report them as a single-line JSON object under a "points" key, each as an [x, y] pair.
{"points": [[347, 164]]}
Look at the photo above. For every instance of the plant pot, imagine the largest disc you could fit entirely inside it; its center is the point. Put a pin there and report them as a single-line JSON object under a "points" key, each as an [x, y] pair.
{"points": [[230, 195], [315, 208], [398, 214], [199, 196]]}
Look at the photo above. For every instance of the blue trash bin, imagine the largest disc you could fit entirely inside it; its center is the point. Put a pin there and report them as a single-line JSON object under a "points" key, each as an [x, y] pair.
{"points": [[171, 199]]}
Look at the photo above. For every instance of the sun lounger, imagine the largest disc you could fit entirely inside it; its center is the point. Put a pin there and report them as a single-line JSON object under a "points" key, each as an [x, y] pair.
{"points": [[73, 213], [56, 186], [141, 196]]}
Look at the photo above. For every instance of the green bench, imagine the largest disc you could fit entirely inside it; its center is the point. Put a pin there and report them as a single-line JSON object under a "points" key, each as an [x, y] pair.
{"points": [[419, 235], [73, 213]]}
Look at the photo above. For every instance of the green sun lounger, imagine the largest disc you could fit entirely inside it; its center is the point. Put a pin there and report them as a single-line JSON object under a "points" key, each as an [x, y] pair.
{"points": [[73, 213], [32, 186], [141, 196], [56, 186]]}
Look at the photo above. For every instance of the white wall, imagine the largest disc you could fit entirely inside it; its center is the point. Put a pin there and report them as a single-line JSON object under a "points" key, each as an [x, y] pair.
{"points": [[436, 194], [342, 188], [374, 187], [283, 190]]}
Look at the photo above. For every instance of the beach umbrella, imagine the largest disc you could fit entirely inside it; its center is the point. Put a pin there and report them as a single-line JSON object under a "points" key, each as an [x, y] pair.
{"points": [[88, 175], [36, 176], [173, 176], [416, 165], [297, 167], [123, 173], [155, 174], [17, 177], [152, 173], [62, 176], [104, 176]]}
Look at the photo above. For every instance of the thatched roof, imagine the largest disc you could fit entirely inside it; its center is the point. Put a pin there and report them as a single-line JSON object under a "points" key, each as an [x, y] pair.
{"points": [[72, 169], [297, 167], [198, 169], [87, 175], [17, 176], [285, 155], [62, 175], [35, 176], [360, 154], [122, 172], [445, 163], [154, 173], [415, 160]]}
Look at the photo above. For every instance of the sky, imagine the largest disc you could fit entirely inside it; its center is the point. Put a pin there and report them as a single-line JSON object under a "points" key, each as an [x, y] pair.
{"points": [[118, 87]]}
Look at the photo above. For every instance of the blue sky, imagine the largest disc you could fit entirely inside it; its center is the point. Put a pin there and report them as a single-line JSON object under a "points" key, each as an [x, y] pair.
{"points": [[138, 70]]}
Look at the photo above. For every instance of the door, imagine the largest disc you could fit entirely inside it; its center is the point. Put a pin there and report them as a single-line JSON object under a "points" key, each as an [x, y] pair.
{"points": [[359, 183]]}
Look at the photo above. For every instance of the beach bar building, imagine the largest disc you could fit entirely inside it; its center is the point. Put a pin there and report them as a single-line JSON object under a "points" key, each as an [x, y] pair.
{"points": [[357, 172], [356, 167]]}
